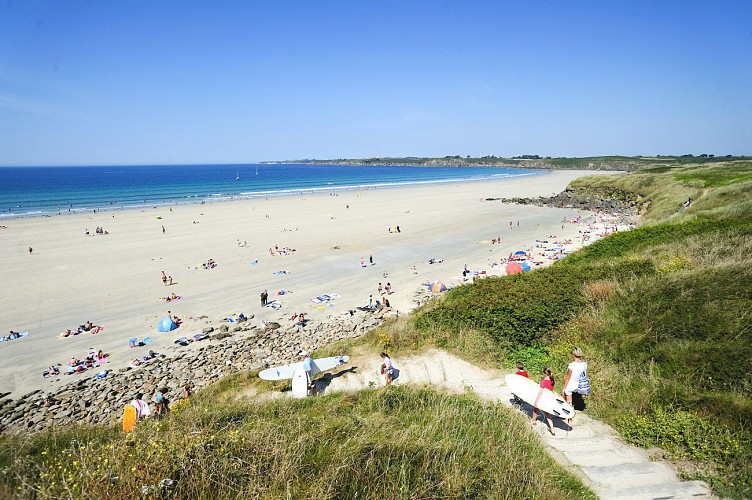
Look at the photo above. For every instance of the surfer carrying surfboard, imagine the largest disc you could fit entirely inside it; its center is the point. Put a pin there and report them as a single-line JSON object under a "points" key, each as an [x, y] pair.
{"points": [[546, 383]]}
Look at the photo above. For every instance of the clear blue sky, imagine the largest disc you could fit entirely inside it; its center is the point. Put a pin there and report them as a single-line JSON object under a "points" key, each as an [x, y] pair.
{"points": [[157, 81]]}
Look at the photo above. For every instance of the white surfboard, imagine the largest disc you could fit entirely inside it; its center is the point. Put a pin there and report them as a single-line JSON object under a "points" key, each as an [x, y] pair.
{"points": [[299, 384], [286, 372], [528, 391]]}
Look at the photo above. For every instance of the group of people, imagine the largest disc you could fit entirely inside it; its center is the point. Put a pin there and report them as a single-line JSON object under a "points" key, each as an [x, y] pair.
{"points": [[160, 401], [575, 371], [385, 289], [209, 264], [86, 327], [93, 359], [99, 230], [167, 280]]}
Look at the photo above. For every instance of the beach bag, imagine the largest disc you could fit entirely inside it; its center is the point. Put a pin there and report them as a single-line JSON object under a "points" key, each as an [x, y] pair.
{"points": [[583, 385]]}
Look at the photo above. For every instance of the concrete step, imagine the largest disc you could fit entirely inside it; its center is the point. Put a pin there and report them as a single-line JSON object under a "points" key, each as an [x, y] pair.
{"points": [[582, 444], [619, 477], [616, 456], [669, 490]]}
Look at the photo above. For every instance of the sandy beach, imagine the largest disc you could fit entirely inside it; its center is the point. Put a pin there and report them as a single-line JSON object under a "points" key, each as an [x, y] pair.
{"points": [[114, 280]]}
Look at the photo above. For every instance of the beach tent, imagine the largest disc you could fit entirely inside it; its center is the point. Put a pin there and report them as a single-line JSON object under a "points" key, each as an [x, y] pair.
{"points": [[166, 325], [514, 268], [438, 286]]}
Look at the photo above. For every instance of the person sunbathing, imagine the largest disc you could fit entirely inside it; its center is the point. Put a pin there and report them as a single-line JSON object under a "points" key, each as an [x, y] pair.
{"points": [[74, 361], [102, 356], [87, 326], [136, 362]]}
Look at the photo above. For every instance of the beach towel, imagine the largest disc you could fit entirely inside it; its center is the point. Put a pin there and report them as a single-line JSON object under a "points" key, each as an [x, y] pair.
{"points": [[254, 262], [7, 338]]}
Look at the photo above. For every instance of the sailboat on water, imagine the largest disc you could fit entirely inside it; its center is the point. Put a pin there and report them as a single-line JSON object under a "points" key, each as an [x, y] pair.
{"points": [[237, 175], [256, 169]]}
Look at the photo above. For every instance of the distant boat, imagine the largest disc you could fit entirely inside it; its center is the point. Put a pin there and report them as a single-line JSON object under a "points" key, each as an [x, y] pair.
{"points": [[237, 176]]}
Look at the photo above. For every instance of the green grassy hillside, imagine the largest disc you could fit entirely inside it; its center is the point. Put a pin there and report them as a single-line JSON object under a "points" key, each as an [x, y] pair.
{"points": [[663, 312], [399, 442]]}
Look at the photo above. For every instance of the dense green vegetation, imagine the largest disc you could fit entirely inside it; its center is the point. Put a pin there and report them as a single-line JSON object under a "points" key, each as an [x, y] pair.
{"points": [[663, 312], [399, 442]]}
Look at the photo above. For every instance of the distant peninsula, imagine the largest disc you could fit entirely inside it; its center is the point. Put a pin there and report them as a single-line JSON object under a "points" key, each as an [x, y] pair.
{"points": [[623, 163]]}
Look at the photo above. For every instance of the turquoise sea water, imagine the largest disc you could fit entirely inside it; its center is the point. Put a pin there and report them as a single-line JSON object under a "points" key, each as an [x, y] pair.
{"points": [[44, 191]]}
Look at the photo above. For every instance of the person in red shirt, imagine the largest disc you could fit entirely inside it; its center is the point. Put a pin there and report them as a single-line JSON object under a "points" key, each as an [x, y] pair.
{"points": [[547, 383], [521, 370]]}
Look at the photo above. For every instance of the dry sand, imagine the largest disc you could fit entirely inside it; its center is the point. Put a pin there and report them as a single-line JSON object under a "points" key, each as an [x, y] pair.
{"points": [[114, 280]]}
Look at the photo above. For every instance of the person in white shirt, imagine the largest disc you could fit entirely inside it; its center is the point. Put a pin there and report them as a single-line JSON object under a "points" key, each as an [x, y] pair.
{"points": [[386, 368], [141, 406]]}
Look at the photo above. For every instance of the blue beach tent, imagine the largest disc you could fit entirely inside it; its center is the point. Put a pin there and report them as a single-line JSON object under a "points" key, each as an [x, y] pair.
{"points": [[166, 325]]}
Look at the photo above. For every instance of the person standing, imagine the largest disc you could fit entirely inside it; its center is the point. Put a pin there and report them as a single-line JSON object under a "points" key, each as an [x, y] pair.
{"points": [[162, 406], [387, 369], [381, 289], [574, 371], [141, 406], [307, 368], [264, 298], [370, 259]]}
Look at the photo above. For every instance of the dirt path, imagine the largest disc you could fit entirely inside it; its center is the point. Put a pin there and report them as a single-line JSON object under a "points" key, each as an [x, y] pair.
{"points": [[591, 449]]}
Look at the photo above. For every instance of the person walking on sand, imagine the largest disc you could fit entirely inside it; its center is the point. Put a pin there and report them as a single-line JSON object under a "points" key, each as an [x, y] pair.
{"points": [[370, 259], [264, 298], [164, 278], [163, 230], [380, 289], [387, 369], [31, 250], [574, 371], [546, 383], [362, 262]]}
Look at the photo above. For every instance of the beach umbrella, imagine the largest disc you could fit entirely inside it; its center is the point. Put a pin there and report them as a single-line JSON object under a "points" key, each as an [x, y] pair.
{"points": [[438, 286], [514, 268], [166, 325]]}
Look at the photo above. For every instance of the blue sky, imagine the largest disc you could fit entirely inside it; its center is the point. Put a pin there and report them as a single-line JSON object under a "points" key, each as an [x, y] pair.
{"points": [[142, 82]]}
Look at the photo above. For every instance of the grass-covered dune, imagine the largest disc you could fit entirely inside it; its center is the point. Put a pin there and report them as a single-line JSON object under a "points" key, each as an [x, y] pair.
{"points": [[402, 442], [663, 312]]}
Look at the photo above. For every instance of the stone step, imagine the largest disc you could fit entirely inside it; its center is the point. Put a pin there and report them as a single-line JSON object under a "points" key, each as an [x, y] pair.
{"points": [[615, 456], [668, 490], [619, 477], [575, 444]]}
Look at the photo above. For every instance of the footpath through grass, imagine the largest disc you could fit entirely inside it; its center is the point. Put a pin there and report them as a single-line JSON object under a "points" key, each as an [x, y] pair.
{"points": [[398, 442]]}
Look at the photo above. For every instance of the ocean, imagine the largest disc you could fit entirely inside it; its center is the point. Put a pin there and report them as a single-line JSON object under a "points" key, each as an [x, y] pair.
{"points": [[47, 191]]}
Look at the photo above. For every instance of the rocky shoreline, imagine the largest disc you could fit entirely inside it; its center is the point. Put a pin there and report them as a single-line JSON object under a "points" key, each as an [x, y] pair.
{"points": [[591, 200], [230, 348]]}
